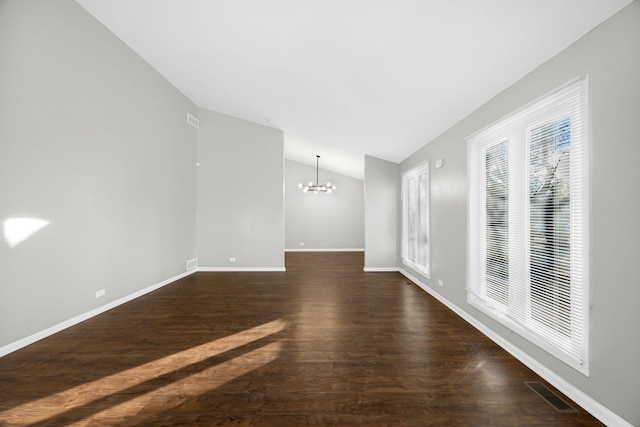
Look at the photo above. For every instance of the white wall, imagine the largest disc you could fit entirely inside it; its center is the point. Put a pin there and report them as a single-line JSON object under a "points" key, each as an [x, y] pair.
{"points": [[611, 55], [94, 141], [323, 221], [382, 185], [240, 194]]}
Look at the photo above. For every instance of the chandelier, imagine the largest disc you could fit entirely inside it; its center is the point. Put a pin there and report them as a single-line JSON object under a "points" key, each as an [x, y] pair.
{"points": [[317, 188]]}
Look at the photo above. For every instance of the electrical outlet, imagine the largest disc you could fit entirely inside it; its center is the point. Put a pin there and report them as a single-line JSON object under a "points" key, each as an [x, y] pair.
{"points": [[301, 243], [440, 282], [232, 259], [100, 293]]}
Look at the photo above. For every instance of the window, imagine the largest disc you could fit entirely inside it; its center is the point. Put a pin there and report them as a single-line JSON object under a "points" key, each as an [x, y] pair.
{"points": [[415, 218], [528, 225]]}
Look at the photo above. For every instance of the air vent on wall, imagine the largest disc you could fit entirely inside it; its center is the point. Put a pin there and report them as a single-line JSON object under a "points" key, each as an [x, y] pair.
{"points": [[192, 264], [192, 120]]}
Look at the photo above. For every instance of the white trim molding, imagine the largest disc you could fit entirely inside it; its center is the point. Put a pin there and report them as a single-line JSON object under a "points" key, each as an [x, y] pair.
{"points": [[595, 408], [17, 345], [239, 269], [380, 269], [326, 250]]}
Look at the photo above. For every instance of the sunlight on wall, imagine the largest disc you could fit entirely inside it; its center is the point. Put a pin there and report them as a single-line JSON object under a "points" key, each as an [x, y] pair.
{"points": [[17, 230], [95, 395]]}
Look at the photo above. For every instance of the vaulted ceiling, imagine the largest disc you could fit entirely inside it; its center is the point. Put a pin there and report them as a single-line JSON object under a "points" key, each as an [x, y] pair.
{"points": [[345, 78]]}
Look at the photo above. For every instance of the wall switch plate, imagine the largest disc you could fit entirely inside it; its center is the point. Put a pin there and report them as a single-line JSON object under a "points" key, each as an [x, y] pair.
{"points": [[100, 293], [439, 163], [440, 282]]}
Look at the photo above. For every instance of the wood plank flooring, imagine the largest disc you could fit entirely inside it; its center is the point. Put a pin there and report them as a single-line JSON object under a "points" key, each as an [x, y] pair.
{"points": [[321, 344]]}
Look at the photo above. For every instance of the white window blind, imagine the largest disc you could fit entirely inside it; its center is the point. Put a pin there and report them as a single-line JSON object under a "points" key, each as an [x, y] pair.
{"points": [[415, 218], [528, 242]]}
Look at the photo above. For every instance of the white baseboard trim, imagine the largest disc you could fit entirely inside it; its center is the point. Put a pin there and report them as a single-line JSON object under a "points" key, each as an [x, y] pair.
{"points": [[17, 345], [327, 250], [596, 409], [380, 269], [240, 269]]}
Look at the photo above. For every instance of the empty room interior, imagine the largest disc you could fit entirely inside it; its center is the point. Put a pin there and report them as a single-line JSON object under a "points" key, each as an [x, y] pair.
{"points": [[319, 213]]}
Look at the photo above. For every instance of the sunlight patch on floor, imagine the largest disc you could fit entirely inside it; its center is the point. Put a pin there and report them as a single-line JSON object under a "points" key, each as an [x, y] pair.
{"points": [[172, 394], [178, 392]]}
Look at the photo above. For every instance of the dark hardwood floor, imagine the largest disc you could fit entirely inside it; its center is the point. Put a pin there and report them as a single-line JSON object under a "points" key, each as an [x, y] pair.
{"points": [[322, 344]]}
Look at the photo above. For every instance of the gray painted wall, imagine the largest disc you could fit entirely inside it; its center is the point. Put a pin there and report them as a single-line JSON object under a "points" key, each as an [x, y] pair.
{"points": [[240, 194], [382, 189], [611, 55], [322, 221], [94, 141]]}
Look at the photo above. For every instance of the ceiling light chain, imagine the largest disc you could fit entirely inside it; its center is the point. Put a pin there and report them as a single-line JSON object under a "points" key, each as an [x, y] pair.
{"points": [[317, 188]]}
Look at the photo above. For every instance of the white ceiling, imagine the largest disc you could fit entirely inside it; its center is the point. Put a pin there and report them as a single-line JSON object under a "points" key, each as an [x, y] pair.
{"points": [[344, 78]]}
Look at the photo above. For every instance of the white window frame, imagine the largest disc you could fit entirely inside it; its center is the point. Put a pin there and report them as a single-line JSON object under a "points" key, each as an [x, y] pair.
{"points": [[422, 219], [569, 101]]}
